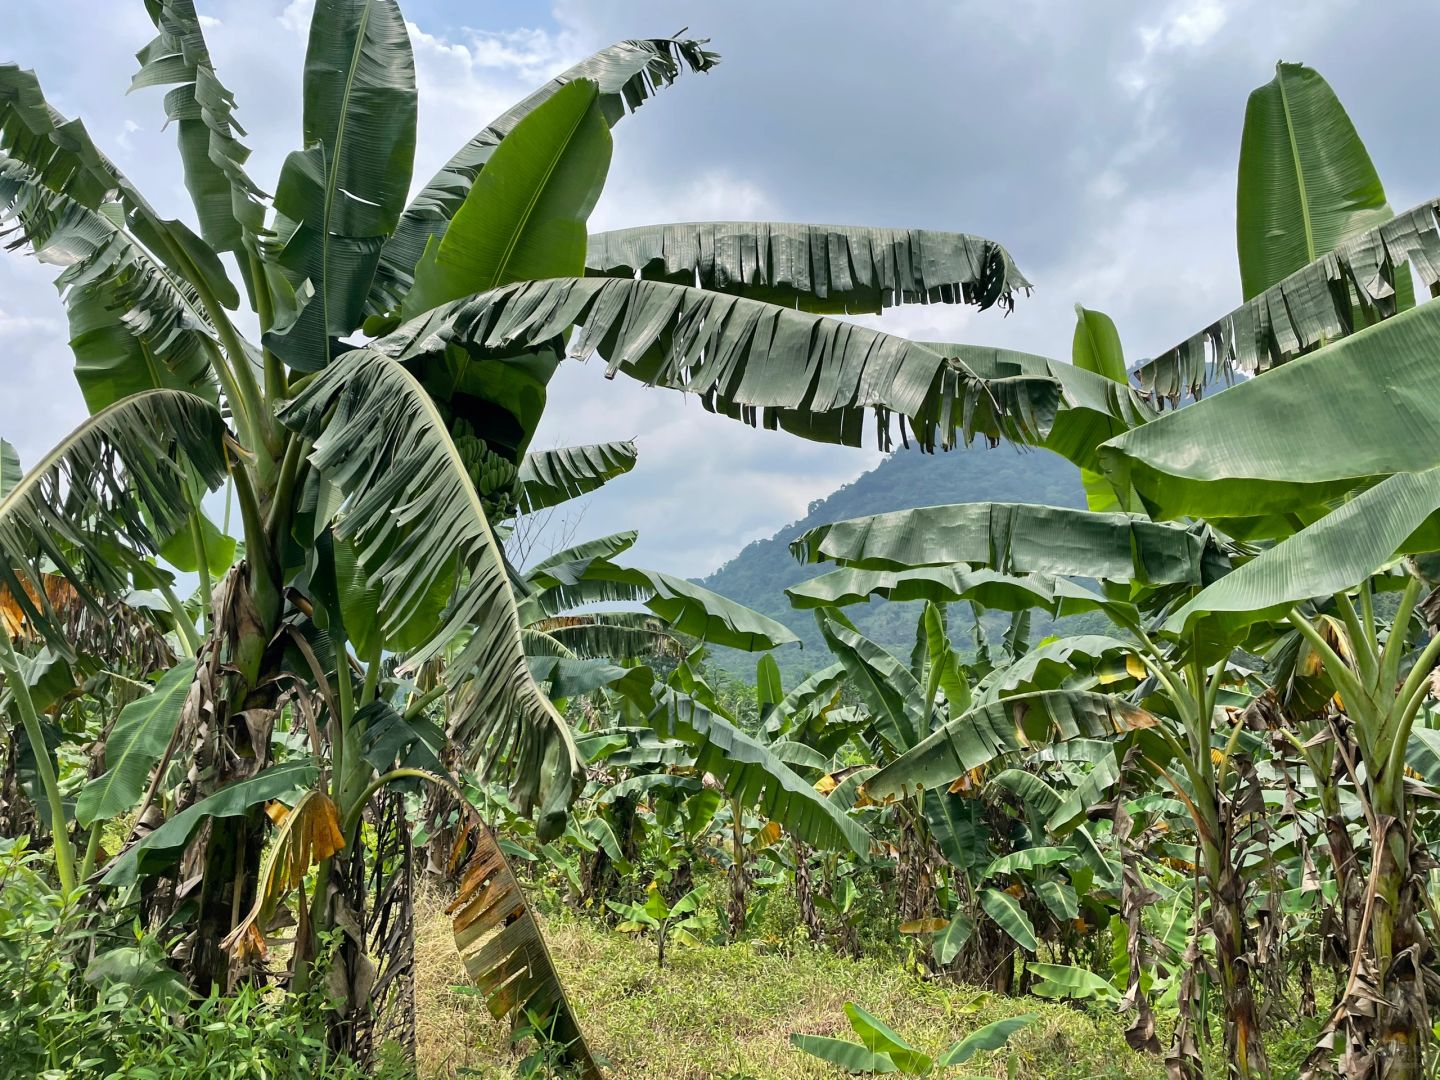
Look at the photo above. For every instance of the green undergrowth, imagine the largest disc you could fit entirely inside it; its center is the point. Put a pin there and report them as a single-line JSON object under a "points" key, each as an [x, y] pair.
{"points": [[728, 1011]]}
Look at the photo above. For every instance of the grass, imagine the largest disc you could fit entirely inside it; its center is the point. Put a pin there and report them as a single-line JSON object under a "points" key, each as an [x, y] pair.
{"points": [[728, 1012]]}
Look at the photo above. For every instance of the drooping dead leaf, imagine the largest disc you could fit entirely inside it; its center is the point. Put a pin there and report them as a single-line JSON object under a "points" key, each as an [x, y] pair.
{"points": [[59, 594], [305, 835], [503, 950]]}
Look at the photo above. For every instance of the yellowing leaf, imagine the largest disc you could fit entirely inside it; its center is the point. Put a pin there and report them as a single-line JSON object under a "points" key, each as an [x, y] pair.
{"points": [[305, 835], [1135, 666], [969, 783], [932, 925], [768, 835]]}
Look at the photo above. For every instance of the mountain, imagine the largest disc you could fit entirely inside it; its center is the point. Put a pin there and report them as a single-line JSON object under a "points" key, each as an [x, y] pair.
{"points": [[759, 574]]}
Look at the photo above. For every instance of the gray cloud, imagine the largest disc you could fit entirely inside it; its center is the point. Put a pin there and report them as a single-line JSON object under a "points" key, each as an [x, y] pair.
{"points": [[1097, 141]]}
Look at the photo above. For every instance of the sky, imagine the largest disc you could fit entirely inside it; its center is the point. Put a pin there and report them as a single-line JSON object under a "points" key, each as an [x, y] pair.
{"points": [[1096, 141]]}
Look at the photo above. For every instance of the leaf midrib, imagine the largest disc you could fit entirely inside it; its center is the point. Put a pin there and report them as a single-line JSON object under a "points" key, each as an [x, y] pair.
{"points": [[334, 171], [1299, 168], [536, 193]]}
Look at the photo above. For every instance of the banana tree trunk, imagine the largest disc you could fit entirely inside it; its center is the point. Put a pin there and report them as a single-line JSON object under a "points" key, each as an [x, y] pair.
{"points": [[1349, 903], [805, 893], [231, 746], [739, 875], [1234, 957], [1184, 1062], [1399, 1028], [914, 864]]}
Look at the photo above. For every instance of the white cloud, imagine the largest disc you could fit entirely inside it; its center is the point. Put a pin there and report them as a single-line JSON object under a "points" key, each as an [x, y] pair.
{"points": [[296, 16], [1097, 141]]}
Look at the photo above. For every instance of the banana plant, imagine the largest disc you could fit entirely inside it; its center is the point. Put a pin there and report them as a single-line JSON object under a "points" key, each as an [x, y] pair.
{"points": [[686, 921], [1143, 566], [1330, 300], [362, 469], [882, 1050]]}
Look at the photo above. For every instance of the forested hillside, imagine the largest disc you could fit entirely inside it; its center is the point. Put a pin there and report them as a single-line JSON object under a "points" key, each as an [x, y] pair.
{"points": [[759, 575]]}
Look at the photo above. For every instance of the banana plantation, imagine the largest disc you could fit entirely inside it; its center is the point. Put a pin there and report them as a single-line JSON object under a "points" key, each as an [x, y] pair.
{"points": [[279, 683]]}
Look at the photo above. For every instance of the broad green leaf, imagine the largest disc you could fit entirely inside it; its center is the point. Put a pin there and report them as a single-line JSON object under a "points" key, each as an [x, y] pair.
{"points": [[1422, 753], [1060, 663], [602, 635], [1091, 409], [10, 471], [800, 755], [852, 1057], [1336, 553], [895, 699], [1020, 538], [1010, 917], [807, 374], [1096, 346], [769, 689], [957, 827], [60, 155], [751, 774], [1324, 424], [389, 740], [695, 610], [662, 785], [567, 566], [627, 74], [524, 217], [880, 1039], [551, 477], [1017, 723], [135, 323], [944, 664], [951, 940], [600, 830], [1104, 774], [1064, 980], [1034, 792], [819, 689], [219, 549], [228, 206], [990, 1037], [159, 849], [48, 675], [134, 745], [415, 520], [567, 677], [936, 584], [832, 269], [342, 195], [157, 345], [1059, 898], [359, 599], [1306, 181], [1025, 859], [1310, 308], [71, 516]]}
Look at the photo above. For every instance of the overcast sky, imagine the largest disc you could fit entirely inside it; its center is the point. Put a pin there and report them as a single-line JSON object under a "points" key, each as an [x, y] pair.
{"points": [[1097, 141]]}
